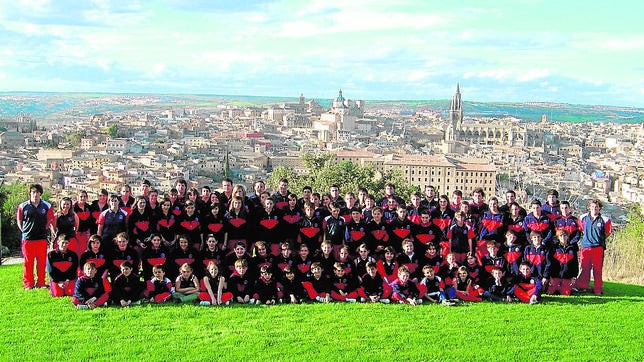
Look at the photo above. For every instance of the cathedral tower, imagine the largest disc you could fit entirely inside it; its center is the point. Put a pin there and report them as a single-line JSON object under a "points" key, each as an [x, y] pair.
{"points": [[456, 110]]}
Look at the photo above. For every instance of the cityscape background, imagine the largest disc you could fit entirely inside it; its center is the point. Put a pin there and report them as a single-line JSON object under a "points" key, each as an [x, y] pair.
{"points": [[75, 141]]}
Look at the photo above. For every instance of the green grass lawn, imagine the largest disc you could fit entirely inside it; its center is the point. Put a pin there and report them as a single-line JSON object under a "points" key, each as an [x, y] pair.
{"points": [[35, 326]]}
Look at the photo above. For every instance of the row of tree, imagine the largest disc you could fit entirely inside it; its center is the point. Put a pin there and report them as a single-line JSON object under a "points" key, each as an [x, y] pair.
{"points": [[322, 171]]}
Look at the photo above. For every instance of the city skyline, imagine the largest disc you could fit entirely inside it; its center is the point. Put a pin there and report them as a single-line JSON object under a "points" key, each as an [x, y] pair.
{"points": [[573, 52]]}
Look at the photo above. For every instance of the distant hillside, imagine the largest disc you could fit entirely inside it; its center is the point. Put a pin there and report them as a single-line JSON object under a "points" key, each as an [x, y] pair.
{"points": [[57, 106], [530, 111]]}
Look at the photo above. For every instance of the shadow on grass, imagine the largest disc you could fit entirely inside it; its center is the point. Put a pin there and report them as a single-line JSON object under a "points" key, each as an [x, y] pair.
{"points": [[612, 292]]}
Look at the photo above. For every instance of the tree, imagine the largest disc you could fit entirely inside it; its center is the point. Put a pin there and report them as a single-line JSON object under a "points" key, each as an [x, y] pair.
{"points": [[323, 171], [280, 172], [75, 138], [396, 177], [113, 130]]}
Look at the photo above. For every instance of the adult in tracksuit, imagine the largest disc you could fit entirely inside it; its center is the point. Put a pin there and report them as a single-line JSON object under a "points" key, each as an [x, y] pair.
{"points": [[34, 218], [596, 228]]}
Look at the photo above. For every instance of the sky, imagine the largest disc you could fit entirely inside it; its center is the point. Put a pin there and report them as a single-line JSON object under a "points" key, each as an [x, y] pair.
{"points": [[581, 52]]}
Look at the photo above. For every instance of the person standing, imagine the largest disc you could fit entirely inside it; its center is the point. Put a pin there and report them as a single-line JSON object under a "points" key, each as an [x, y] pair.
{"points": [[34, 218], [595, 228]]}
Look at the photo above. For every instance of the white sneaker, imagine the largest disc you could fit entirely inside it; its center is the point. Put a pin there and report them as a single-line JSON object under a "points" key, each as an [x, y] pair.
{"points": [[82, 306], [419, 301], [351, 300], [319, 299], [251, 301], [385, 301], [204, 303], [258, 302]]}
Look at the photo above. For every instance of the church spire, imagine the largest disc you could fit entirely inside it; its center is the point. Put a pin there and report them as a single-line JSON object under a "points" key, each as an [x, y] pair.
{"points": [[455, 113], [457, 103]]}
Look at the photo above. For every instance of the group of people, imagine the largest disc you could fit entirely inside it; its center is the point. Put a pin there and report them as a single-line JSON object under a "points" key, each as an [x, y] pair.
{"points": [[264, 248]]}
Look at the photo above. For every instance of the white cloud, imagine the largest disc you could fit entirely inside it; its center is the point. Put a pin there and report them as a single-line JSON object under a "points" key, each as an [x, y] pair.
{"points": [[157, 69], [503, 74], [35, 5], [104, 64], [610, 42], [532, 74], [417, 75], [498, 74]]}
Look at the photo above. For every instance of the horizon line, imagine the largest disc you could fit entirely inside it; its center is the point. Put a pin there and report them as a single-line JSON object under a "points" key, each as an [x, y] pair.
{"points": [[314, 98]]}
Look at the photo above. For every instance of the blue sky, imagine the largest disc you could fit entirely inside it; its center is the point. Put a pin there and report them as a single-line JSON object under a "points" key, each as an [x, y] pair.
{"points": [[586, 52]]}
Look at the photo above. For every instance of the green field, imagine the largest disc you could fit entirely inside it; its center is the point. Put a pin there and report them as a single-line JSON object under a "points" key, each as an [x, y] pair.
{"points": [[37, 327]]}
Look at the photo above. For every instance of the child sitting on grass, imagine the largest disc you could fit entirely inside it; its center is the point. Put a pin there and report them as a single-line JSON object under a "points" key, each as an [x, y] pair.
{"points": [[373, 288], [432, 287], [266, 287], [317, 285], [343, 285], [498, 288], [127, 288], [159, 289], [239, 284], [91, 290], [465, 288], [186, 287], [293, 291], [213, 286], [527, 287], [405, 291]]}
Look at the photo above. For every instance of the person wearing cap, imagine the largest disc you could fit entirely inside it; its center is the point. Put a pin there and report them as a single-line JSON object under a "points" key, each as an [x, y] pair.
{"points": [[145, 188]]}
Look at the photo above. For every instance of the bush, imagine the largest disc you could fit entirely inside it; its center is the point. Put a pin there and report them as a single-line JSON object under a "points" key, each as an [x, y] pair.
{"points": [[625, 252], [10, 197]]}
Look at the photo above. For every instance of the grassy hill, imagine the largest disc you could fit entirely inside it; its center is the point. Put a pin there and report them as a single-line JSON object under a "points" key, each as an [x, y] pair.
{"points": [[38, 327]]}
